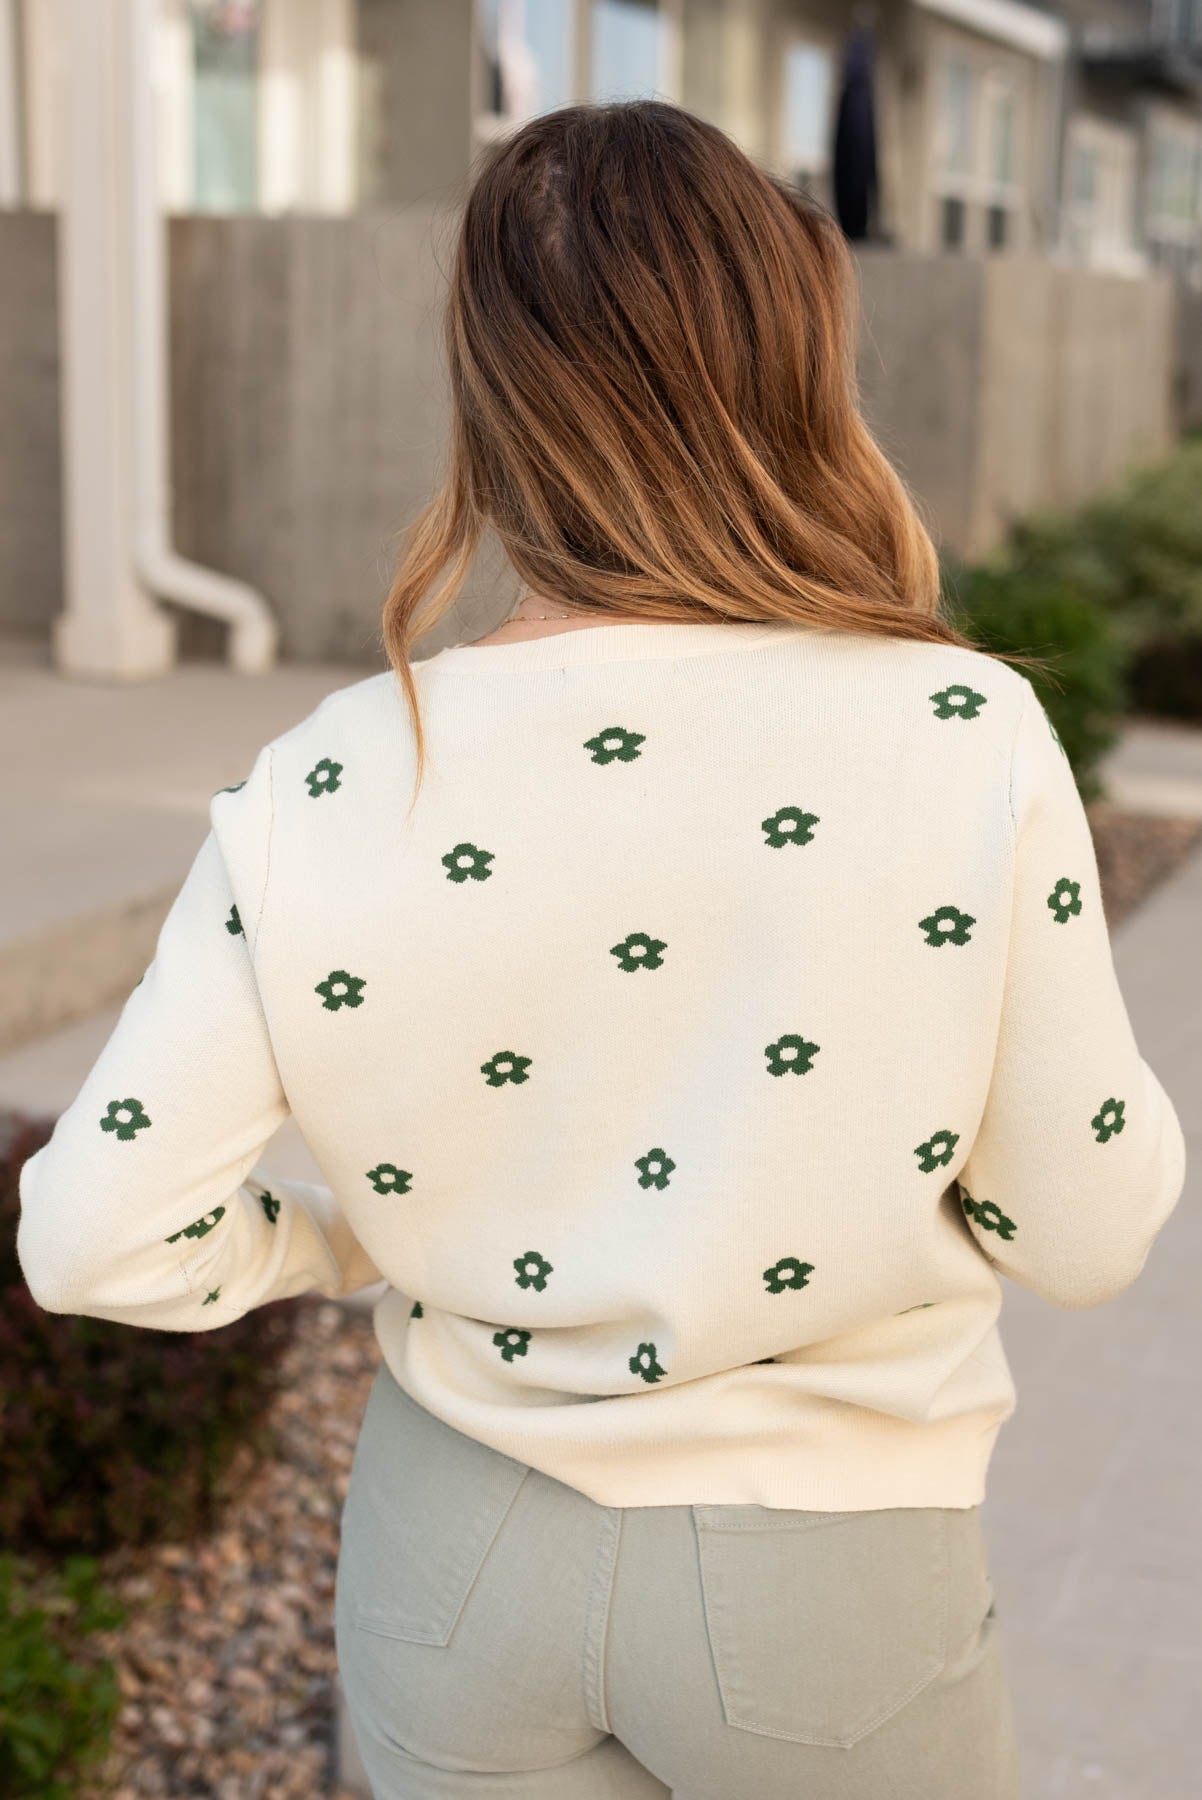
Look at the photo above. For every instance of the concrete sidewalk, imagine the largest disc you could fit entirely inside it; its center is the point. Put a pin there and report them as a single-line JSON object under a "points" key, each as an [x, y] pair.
{"points": [[1091, 1516]]}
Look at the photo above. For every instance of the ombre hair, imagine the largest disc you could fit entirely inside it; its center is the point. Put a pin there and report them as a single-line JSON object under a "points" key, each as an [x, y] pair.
{"points": [[652, 356]]}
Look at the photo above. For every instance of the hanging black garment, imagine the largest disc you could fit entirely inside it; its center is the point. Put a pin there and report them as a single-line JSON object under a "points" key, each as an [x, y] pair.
{"points": [[855, 170]]}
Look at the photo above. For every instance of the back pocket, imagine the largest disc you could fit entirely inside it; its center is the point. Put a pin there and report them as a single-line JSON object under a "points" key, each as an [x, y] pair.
{"points": [[423, 1506], [822, 1624]]}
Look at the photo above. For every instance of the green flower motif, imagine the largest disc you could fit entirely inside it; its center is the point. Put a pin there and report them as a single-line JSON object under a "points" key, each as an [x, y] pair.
{"points": [[512, 1343], [986, 1214], [615, 743], [1056, 738], [947, 925], [921, 1307], [1065, 899], [234, 924], [199, 1227], [638, 951], [125, 1117], [270, 1205], [505, 1066], [1108, 1120], [797, 1277], [341, 989], [643, 1363], [386, 1178], [655, 1168], [957, 702], [762, 1359], [465, 862], [231, 790], [323, 779], [416, 1312], [937, 1150], [532, 1270], [788, 825], [209, 1298], [791, 1055]]}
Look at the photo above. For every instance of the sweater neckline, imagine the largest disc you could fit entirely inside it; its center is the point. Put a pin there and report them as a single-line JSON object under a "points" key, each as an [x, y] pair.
{"points": [[612, 643]]}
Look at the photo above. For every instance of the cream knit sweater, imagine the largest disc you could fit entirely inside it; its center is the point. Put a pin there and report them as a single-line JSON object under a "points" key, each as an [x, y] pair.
{"points": [[733, 1009]]}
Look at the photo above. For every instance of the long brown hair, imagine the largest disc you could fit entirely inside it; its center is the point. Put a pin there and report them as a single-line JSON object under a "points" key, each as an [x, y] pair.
{"points": [[651, 346]]}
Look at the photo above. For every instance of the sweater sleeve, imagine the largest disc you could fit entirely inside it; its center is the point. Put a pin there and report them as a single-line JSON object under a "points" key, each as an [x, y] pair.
{"points": [[1079, 1157], [145, 1205]]}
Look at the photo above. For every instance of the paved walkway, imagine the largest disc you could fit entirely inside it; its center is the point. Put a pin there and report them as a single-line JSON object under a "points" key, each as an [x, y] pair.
{"points": [[1091, 1517]]}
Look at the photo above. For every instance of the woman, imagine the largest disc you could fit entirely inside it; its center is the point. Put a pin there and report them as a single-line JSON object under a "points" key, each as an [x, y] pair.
{"points": [[696, 994]]}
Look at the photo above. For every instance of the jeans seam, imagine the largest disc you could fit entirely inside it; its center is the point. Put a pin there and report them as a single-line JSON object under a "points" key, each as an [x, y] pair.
{"points": [[597, 1617]]}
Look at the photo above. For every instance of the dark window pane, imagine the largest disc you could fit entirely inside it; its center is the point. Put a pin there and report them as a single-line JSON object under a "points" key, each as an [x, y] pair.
{"points": [[998, 227], [951, 228]]}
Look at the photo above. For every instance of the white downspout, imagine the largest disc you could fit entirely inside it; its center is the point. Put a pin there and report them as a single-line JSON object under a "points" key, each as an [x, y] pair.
{"points": [[254, 632]]}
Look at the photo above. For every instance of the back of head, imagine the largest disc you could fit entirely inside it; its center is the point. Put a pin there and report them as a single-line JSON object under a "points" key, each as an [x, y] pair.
{"points": [[651, 345]]}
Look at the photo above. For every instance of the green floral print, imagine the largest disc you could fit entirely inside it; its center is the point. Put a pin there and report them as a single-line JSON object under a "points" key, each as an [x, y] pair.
{"points": [[417, 1312], [1056, 738], [937, 1151], [231, 790], [341, 989], [789, 1272], [1108, 1121], [199, 1227], [209, 1298], [512, 1343], [644, 1363], [234, 924], [386, 1178], [986, 1214], [790, 1055], [532, 1270], [323, 779], [1065, 899], [615, 743], [947, 925], [125, 1117], [921, 1307], [505, 1066], [654, 1168], [638, 951], [467, 863], [958, 701], [788, 825], [270, 1205]]}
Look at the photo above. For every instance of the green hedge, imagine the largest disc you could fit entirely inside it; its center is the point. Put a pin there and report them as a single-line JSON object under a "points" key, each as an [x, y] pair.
{"points": [[115, 1433], [1002, 607], [58, 1703], [1111, 594]]}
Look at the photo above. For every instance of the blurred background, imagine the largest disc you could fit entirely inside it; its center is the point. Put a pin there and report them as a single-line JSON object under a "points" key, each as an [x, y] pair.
{"points": [[225, 229]]}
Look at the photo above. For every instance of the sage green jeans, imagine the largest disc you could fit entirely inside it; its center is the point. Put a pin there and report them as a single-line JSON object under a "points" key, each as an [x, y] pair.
{"points": [[499, 1633]]}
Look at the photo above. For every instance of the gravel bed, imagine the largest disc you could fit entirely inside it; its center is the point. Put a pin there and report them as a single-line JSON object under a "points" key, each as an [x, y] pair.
{"points": [[226, 1662]]}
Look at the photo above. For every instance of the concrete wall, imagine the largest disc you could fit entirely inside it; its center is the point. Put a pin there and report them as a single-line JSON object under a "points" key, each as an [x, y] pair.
{"points": [[310, 411], [31, 564], [1010, 384]]}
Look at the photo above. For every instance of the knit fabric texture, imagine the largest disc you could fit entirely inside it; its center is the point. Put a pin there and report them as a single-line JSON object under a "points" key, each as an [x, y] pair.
{"points": [[734, 1007]]}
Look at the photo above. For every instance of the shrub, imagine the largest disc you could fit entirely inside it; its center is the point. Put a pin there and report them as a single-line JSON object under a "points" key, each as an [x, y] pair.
{"points": [[1003, 605], [115, 1433], [57, 1708], [1136, 554]]}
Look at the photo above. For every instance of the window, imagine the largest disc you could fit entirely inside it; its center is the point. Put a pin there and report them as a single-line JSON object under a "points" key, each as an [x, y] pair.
{"points": [[1174, 212], [536, 55], [955, 151], [225, 47], [1099, 194], [976, 155], [527, 46], [808, 78], [628, 49]]}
